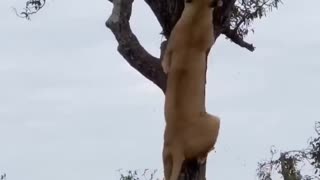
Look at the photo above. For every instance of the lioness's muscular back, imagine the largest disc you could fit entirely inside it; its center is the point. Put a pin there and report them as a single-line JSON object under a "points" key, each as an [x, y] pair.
{"points": [[191, 39]]}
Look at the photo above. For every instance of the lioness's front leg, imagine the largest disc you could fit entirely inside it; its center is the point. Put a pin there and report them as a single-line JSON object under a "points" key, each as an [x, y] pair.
{"points": [[166, 61]]}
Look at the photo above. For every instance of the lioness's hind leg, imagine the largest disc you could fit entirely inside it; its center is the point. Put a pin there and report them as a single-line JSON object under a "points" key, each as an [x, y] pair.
{"points": [[167, 163], [177, 161]]}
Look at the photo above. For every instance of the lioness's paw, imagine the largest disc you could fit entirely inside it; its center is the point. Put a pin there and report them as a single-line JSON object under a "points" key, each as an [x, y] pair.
{"points": [[165, 67], [201, 160]]}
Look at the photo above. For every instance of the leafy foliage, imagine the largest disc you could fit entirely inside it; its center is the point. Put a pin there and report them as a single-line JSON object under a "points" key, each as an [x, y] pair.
{"points": [[290, 164], [135, 175], [31, 7], [241, 17], [245, 11]]}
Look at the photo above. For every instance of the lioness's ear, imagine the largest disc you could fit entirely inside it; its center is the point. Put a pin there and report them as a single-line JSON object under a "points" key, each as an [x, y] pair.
{"points": [[188, 1]]}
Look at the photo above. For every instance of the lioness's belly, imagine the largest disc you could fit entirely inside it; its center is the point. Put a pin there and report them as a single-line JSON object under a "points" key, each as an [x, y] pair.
{"points": [[185, 95]]}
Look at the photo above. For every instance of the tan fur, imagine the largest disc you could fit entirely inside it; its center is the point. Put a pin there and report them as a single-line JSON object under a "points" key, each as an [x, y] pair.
{"points": [[190, 132]]}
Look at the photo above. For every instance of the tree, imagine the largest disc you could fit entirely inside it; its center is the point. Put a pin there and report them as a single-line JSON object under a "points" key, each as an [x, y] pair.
{"points": [[3, 176], [233, 20], [290, 164]]}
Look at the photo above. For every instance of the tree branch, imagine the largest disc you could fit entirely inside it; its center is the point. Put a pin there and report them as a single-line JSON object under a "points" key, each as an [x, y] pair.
{"points": [[221, 16], [234, 37], [129, 46], [168, 13], [221, 21]]}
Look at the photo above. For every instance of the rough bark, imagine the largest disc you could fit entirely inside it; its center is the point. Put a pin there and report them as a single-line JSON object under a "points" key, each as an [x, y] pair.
{"points": [[167, 13], [129, 46]]}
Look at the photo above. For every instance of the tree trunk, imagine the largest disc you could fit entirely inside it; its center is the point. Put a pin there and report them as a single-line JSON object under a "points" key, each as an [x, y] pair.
{"points": [[167, 13]]}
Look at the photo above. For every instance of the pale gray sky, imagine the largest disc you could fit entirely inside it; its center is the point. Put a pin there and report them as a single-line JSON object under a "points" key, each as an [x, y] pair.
{"points": [[72, 108]]}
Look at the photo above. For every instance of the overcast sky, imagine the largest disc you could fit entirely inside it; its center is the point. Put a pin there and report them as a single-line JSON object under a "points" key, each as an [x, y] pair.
{"points": [[71, 108]]}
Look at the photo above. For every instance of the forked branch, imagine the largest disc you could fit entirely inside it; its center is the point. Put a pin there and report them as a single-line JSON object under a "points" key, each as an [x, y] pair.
{"points": [[129, 46]]}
